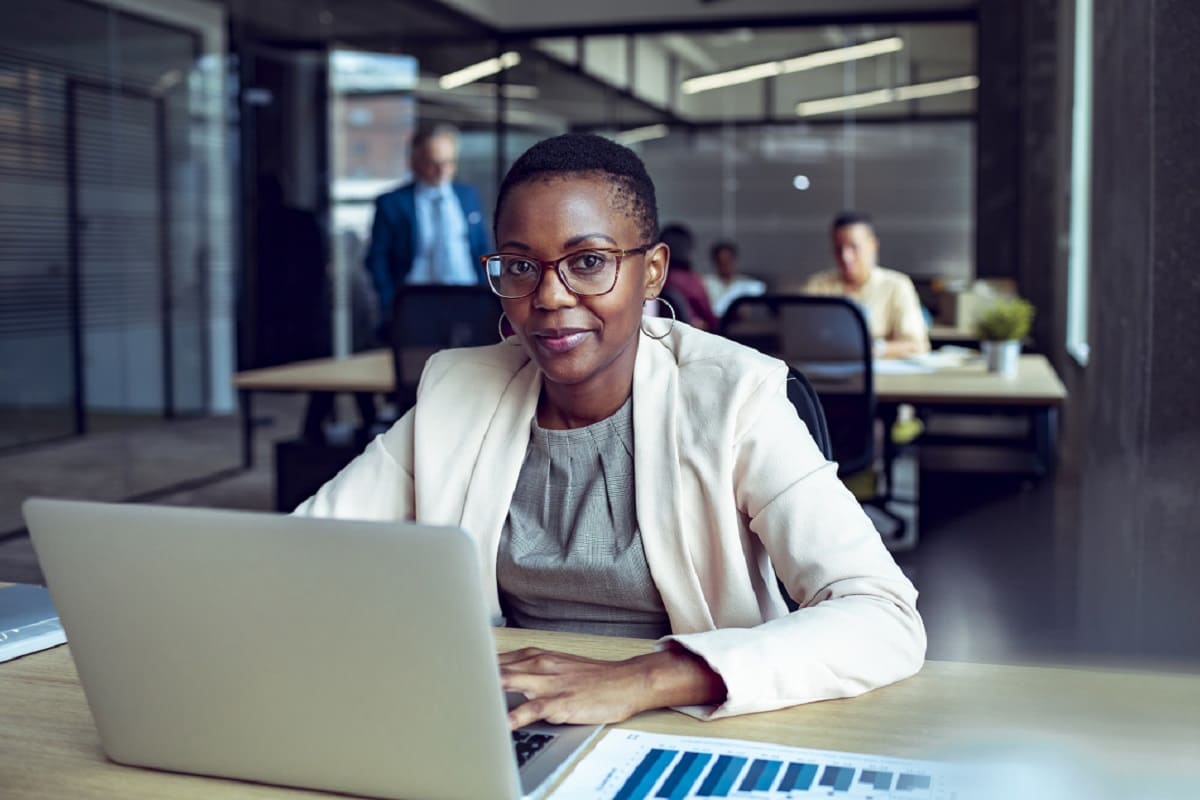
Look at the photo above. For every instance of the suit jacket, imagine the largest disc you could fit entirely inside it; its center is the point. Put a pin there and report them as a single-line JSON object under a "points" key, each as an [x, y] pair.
{"points": [[394, 237], [730, 489]]}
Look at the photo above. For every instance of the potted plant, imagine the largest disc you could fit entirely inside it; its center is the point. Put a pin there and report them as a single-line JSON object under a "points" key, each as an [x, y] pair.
{"points": [[1001, 328]]}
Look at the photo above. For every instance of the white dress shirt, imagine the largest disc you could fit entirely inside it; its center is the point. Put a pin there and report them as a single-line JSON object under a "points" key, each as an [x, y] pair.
{"points": [[443, 253]]}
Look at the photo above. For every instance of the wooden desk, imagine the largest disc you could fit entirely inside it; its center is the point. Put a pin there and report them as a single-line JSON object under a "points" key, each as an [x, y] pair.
{"points": [[1036, 384], [768, 329], [1035, 392], [364, 374], [1036, 388], [949, 334], [1146, 723]]}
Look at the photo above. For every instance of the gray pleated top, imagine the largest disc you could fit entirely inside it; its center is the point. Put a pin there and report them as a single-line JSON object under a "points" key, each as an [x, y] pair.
{"points": [[571, 556]]}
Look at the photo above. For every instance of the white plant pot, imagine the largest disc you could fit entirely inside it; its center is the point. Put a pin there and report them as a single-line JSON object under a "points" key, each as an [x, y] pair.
{"points": [[1001, 357]]}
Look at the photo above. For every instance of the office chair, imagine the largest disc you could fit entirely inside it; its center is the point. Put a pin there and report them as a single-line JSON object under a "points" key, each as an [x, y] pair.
{"points": [[429, 318], [826, 339], [808, 407]]}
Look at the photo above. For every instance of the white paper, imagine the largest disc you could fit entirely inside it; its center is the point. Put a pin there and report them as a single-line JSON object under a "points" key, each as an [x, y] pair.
{"points": [[28, 622], [901, 366], [630, 765]]}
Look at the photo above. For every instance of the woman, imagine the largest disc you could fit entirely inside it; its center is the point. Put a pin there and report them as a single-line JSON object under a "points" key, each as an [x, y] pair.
{"points": [[634, 476], [684, 284]]}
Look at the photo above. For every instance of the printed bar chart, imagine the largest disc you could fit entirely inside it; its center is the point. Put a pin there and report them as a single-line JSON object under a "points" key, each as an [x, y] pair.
{"points": [[630, 765]]}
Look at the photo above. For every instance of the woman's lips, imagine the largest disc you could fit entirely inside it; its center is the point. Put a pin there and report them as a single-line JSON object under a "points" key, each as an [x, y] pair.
{"points": [[560, 341]]}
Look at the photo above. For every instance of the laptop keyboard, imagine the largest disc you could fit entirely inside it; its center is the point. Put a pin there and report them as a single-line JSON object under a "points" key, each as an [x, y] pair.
{"points": [[527, 744]]}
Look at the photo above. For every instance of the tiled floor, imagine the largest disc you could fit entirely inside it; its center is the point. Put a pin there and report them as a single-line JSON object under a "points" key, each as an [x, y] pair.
{"points": [[982, 557]]}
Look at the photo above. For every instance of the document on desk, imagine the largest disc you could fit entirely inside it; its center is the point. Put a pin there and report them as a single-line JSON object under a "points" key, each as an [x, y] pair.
{"points": [[925, 362], [631, 765], [901, 366], [28, 621]]}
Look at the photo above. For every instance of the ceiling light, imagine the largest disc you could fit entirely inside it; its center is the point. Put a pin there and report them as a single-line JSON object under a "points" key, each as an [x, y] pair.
{"points": [[642, 134], [878, 97], [769, 69], [949, 86], [513, 91], [483, 69]]}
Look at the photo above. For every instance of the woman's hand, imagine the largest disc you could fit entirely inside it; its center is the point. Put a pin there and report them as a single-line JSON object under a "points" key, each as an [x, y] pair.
{"points": [[562, 688]]}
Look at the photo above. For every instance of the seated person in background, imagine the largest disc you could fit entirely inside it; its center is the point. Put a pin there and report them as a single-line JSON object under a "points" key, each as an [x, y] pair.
{"points": [[685, 284], [727, 286], [634, 476], [888, 298]]}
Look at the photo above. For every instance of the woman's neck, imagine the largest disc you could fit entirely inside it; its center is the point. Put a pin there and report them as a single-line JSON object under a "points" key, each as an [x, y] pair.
{"points": [[563, 406]]}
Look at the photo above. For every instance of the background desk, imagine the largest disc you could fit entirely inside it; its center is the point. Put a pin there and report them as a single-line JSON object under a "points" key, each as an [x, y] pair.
{"points": [[1143, 723], [366, 373], [1036, 390], [949, 334]]}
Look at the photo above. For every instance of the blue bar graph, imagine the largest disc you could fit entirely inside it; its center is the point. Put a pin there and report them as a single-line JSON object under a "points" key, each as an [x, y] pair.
{"points": [[877, 779], [637, 765], [731, 772], [709, 787], [720, 779], [750, 782], [906, 783], [837, 778], [681, 780], [798, 776], [767, 776], [647, 773]]}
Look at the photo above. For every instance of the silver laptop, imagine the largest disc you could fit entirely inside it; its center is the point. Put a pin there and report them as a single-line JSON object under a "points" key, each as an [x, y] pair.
{"points": [[348, 656]]}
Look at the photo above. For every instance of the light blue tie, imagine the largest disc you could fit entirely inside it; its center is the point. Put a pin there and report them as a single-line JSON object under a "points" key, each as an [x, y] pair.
{"points": [[442, 257]]}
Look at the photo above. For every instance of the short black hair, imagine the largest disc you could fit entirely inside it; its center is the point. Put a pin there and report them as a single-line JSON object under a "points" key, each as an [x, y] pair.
{"points": [[850, 217], [722, 245], [584, 153]]}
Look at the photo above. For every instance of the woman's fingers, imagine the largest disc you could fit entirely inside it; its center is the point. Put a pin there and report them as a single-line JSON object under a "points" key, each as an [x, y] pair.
{"points": [[514, 656], [563, 688], [569, 708], [534, 659]]}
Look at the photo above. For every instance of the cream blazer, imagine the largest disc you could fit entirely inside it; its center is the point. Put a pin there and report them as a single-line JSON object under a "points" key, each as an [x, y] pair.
{"points": [[730, 489]]}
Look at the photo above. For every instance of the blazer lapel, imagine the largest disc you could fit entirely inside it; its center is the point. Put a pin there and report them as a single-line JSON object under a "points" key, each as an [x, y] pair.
{"points": [[658, 486], [494, 478]]}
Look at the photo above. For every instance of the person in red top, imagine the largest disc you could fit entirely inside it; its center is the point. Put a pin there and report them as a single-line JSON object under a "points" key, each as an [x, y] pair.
{"points": [[685, 284]]}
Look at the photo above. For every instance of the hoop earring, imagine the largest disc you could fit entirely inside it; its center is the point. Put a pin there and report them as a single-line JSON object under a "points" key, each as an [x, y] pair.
{"points": [[500, 330], [671, 308]]}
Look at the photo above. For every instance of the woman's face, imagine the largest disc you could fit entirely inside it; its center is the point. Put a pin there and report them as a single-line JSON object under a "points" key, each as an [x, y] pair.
{"points": [[575, 339]]}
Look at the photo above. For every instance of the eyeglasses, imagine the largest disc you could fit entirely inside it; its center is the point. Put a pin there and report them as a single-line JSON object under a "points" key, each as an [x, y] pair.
{"points": [[584, 272]]}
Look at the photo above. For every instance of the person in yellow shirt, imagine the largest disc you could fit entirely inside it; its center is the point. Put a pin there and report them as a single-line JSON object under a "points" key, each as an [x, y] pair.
{"points": [[888, 297]]}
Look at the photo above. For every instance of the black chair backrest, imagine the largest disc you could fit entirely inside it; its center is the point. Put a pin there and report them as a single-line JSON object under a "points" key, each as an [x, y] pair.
{"points": [[808, 406], [428, 318], [825, 339]]}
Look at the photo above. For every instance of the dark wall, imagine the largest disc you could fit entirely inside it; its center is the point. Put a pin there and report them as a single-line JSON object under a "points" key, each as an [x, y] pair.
{"points": [[1127, 510], [998, 195], [1019, 137], [1023, 145], [284, 293], [1138, 448]]}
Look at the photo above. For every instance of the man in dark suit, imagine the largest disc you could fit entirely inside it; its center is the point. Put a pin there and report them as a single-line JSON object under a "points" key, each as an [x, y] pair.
{"points": [[430, 230]]}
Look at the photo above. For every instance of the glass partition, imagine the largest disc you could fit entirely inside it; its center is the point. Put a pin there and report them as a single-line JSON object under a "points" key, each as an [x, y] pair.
{"points": [[106, 169]]}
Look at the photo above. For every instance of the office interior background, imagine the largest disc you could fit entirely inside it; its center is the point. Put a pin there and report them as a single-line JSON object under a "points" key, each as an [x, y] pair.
{"points": [[186, 191]]}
